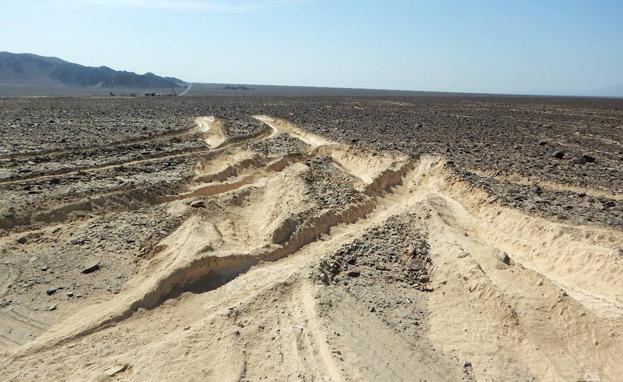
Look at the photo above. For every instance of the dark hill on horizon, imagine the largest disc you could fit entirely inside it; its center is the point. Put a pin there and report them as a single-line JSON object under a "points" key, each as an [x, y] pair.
{"points": [[33, 71], [26, 74]]}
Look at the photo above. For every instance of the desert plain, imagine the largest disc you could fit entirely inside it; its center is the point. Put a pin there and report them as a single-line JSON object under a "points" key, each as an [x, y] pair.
{"points": [[433, 238]]}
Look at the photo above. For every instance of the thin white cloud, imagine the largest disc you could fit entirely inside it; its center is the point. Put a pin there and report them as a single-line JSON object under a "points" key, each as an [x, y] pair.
{"points": [[193, 5]]}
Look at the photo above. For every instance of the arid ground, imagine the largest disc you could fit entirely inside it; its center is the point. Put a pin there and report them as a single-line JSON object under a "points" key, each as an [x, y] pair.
{"points": [[437, 238]]}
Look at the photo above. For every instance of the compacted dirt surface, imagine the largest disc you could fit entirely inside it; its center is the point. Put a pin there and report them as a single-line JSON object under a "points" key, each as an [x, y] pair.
{"points": [[429, 238]]}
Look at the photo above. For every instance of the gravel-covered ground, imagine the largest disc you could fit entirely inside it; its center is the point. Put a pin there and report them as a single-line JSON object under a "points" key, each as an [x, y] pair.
{"points": [[555, 146], [98, 193]]}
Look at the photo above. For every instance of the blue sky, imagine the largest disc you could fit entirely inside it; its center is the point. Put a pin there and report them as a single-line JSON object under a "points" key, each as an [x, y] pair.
{"points": [[522, 46]]}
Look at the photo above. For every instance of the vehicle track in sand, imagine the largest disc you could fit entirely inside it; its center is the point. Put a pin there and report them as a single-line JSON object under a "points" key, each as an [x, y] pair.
{"points": [[227, 296], [209, 128], [190, 85], [548, 184], [91, 149]]}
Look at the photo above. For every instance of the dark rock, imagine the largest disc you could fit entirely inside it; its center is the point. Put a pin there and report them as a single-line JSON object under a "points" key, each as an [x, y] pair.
{"points": [[22, 240], [504, 258], [51, 291], [584, 159], [355, 272], [77, 241], [559, 154], [351, 259]]}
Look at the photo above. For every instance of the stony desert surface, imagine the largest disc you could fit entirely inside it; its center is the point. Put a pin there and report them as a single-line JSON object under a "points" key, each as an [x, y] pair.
{"points": [[430, 238]]}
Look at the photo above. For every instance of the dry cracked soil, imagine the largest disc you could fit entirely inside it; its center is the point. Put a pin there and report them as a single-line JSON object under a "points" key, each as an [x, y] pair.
{"points": [[430, 238]]}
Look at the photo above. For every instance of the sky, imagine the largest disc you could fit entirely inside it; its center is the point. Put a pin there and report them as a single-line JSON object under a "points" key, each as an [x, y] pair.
{"points": [[486, 46]]}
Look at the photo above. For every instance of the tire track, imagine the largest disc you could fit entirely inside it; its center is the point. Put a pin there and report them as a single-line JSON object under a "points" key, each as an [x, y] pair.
{"points": [[521, 180], [82, 150], [209, 127]]}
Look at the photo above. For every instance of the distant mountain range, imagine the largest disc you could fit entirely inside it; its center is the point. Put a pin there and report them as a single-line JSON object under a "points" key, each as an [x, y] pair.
{"points": [[30, 70]]}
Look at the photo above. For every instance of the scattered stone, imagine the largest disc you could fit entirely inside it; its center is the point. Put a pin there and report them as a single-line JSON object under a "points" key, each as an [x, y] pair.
{"points": [[91, 267], [77, 241], [198, 204], [22, 240], [559, 154], [115, 369], [52, 307], [585, 158], [51, 291], [355, 272], [504, 258]]}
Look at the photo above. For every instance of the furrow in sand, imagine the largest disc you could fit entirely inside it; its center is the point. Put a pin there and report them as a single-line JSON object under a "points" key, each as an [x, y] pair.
{"points": [[208, 185], [189, 152], [212, 270], [91, 149], [548, 184], [206, 127]]}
